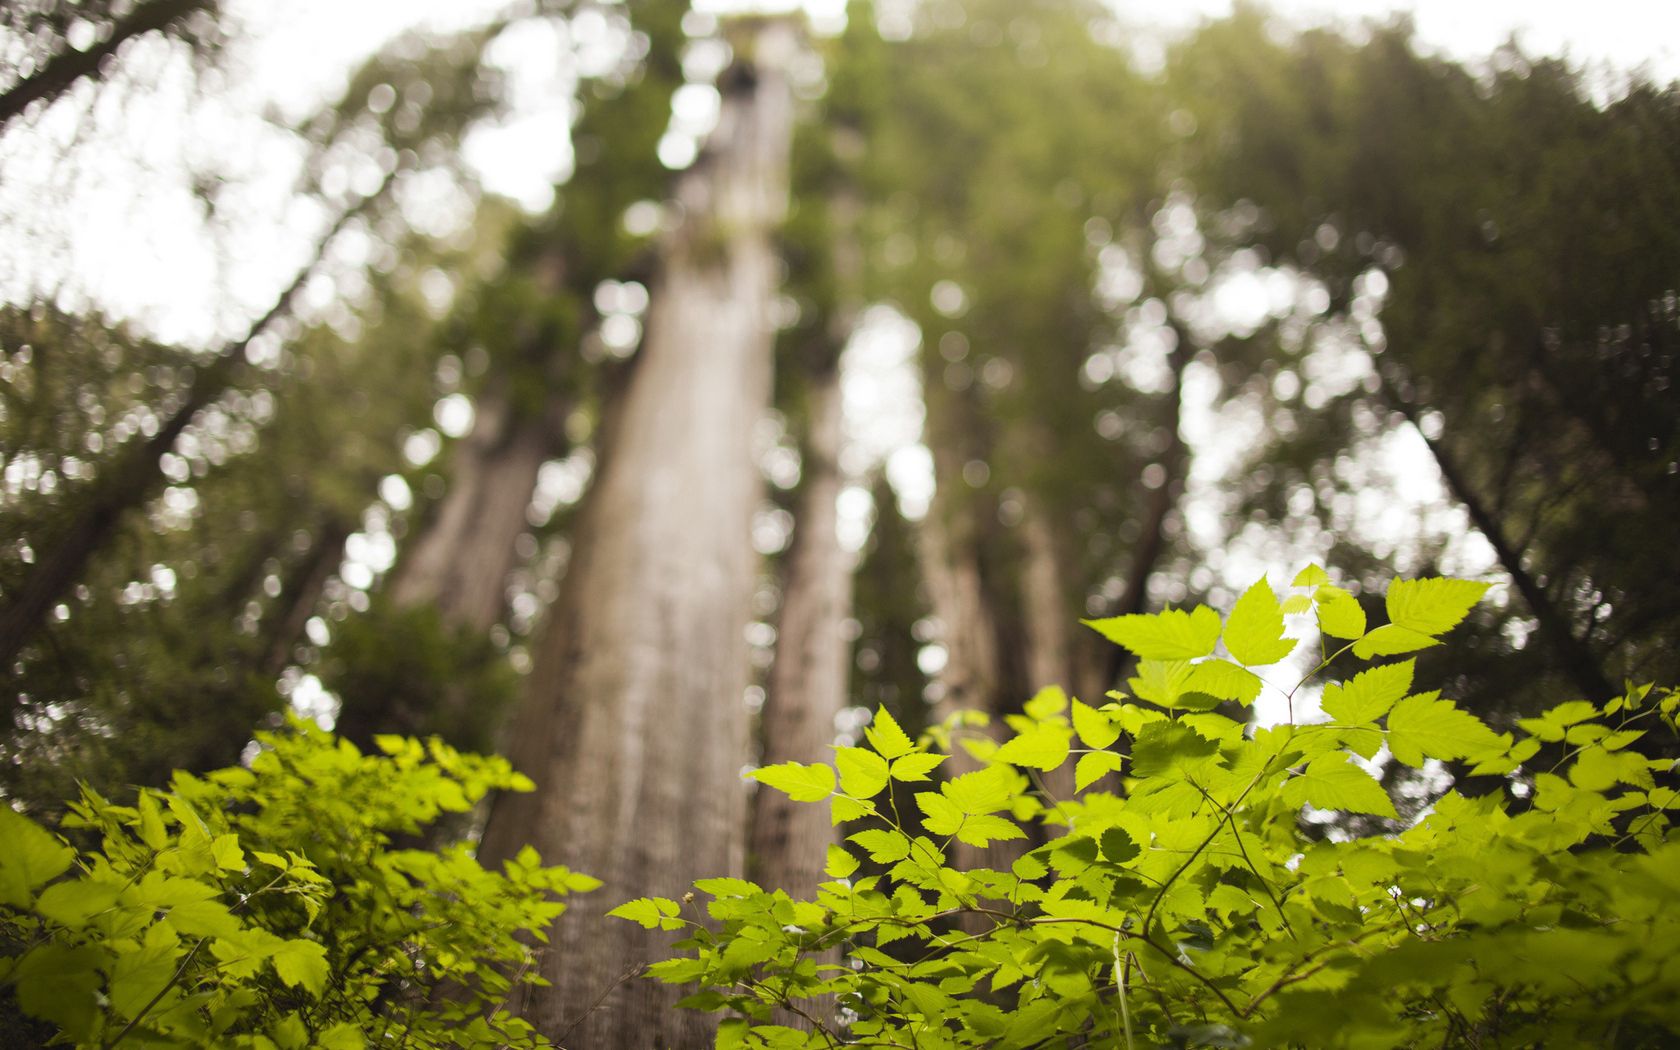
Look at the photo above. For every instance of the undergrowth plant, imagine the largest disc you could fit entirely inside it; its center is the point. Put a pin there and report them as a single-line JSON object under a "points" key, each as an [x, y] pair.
{"points": [[274, 907], [1178, 894]]}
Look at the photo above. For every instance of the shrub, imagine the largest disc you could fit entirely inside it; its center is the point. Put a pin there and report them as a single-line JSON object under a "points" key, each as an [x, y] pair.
{"points": [[276, 907], [1197, 905]]}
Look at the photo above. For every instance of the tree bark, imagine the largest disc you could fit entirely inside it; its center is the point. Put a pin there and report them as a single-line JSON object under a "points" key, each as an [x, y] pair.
{"points": [[461, 560], [634, 725], [808, 682]]}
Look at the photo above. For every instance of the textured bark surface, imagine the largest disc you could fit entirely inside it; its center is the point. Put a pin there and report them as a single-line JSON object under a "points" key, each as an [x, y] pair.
{"points": [[808, 681], [460, 562], [972, 678], [634, 727]]}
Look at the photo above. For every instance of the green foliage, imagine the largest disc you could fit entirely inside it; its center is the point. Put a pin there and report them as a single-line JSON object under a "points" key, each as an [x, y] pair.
{"points": [[273, 907], [1203, 906]]}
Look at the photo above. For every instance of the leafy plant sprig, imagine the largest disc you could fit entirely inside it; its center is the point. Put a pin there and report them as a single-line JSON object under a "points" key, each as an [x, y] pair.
{"points": [[1195, 906]]}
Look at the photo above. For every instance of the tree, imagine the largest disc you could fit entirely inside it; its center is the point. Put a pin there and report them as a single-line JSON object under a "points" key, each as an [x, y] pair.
{"points": [[1481, 253], [643, 667]]}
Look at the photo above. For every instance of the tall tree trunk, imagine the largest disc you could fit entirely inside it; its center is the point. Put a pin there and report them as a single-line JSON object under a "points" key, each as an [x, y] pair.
{"points": [[461, 560], [634, 726], [973, 676], [808, 683]]}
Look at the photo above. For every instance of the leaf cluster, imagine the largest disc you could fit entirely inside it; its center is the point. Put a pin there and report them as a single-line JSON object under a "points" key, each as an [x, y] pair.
{"points": [[276, 907], [1197, 906]]}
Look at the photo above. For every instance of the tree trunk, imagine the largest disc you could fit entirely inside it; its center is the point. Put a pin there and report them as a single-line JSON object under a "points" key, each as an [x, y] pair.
{"points": [[461, 560], [634, 726], [808, 683]]}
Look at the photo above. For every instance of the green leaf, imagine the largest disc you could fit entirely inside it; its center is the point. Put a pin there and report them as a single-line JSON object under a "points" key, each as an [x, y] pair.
{"points": [[1225, 680], [1093, 727], [940, 815], [1425, 726], [915, 767], [801, 782], [229, 857], [650, 912], [982, 791], [1432, 606], [1332, 781], [1311, 576], [1339, 613], [1170, 635], [1163, 745], [1368, 695], [1051, 700], [1093, 766], [984, 830], [303, 963], [840, 863], [32, 855], [59, 983], [863, 773], [1391, 639], [342, 1036], [1254, 633], [885, 846], [138, 976], [725, 886], [1118, 845], [1044, 746], [885, 736], [152, 831], [72, 903], [1161, 682]]}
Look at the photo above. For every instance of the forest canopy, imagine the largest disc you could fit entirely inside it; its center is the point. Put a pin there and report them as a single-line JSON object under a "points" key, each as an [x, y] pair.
{"points": [[830, 372]]}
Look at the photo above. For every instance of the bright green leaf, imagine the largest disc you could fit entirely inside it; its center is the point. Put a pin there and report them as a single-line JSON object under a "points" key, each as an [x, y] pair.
{"points": [[885, 736], [303, 963], [801, 782], [229, 857], [1332, 781], [32, 855], [1432, 606], [1093, 727], [915, 767], [982, 831], [1339, 613], [650, 913], [1368, 695], [1311, 576], [1254, 633], [1425, 726], [1161, 682], [1391, 639], [863, 773], [1171, 635], [982, 791], [840, 863], [1044, 746], [1051, 700], [1093, 766], [1225, 680]]}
